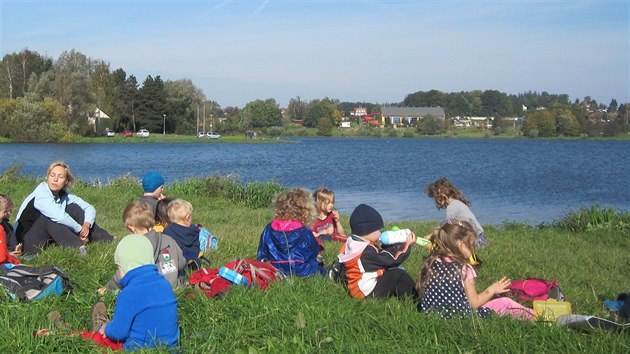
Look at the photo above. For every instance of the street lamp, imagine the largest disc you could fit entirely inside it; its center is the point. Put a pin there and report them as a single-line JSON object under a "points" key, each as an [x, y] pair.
{"points": [[164, 124]]}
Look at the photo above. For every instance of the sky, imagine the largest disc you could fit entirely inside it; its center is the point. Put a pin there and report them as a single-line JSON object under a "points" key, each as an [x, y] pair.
{"points": [[353, 50]]}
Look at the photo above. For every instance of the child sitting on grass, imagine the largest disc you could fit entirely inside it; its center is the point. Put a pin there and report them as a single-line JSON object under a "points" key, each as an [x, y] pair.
{"points": [[370, 270], [286, 242], [153, 187], [183, 231], [446, 282], [161, 215], [145, 315], [327, 225], [5, 255], [168, 257], [446, 195]]}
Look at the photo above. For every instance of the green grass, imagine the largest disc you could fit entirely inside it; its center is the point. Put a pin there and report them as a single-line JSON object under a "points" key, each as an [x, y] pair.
{"points": [[316, 315]]}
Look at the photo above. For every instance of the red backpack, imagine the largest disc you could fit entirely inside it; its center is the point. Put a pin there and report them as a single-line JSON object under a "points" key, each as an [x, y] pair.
{"points": [[528, 290], [258, 274]]}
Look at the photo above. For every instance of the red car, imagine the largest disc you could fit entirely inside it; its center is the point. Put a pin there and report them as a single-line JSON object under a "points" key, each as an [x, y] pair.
{"points": [[126, 133]]}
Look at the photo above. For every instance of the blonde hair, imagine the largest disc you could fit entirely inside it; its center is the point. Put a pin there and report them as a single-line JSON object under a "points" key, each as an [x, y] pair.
{"points": [[139, 214], [295, 204], [444, 241], [322, 197], [4, 204], [178, 209], [66, 168]]}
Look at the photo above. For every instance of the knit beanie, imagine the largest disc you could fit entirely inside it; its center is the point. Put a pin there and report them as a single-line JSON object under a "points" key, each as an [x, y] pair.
{"points": [[152, 181], [364, 220], [133, 251]]}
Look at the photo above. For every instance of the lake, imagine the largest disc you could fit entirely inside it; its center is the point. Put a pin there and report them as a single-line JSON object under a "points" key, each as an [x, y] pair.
{"points": [[529, 180]]}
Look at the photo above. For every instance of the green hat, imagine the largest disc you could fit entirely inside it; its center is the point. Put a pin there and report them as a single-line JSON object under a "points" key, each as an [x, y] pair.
{"points": [[133, 251]]}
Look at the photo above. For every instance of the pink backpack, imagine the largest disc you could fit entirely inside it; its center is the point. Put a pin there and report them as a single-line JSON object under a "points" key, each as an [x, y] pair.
{"points": [[535, 289]]}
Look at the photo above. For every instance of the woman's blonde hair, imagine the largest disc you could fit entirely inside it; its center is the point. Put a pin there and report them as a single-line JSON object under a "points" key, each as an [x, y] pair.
{"points": [[295, 204], [139, 214], [444, 242], [66, 168], [322, 197]]}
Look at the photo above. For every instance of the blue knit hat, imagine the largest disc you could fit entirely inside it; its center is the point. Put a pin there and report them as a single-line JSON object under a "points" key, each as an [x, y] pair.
{"points": [[152, 181]]}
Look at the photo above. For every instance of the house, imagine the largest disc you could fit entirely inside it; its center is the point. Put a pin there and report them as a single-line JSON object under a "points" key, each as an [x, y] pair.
{"points": [[358, 112], [409, 115], [94, 119]]}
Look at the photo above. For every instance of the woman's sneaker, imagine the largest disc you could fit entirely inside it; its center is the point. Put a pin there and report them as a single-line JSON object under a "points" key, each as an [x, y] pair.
{"points": [[99, 316]]}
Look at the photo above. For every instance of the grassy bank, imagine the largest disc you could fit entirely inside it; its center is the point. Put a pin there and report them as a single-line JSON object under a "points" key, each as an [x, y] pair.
{"points": [[316, 315]]}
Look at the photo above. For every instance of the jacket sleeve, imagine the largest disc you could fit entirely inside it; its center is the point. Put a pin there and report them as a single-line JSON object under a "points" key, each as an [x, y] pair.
{"points": [[374, 259], [119, 328], [88, 209], [45, 203]]}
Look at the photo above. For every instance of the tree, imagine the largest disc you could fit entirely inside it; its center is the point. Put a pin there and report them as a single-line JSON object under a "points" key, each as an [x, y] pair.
{"points": [[182, 100], [150, 108], [297, 108], [612, 107], [71, 86], [16, 70], [317, 109], [324, 127], [495, 103], [258, 114], [567, 124], [430, 125], [546, 123]]}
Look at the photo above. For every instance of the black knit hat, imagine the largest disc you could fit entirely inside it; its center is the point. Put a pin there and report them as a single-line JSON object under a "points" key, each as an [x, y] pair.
{"points": [[364, 220]]}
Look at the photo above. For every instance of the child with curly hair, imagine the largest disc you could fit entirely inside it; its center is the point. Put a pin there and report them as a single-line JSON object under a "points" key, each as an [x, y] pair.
{"points": [[446, 195], [286, 242]]}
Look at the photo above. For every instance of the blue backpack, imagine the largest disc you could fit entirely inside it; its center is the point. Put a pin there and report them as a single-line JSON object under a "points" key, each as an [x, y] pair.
{"points": [[24, 283]]}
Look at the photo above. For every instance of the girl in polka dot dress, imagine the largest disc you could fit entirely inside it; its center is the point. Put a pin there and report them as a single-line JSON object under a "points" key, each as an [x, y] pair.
{"points": [[446, 283]]}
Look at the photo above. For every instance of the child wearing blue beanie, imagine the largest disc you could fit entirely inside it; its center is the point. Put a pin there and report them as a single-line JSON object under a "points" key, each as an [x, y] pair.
{"points": [[153, 186]]}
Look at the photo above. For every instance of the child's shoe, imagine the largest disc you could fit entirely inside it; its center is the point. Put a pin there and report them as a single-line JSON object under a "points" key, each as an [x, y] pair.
{"points": [[99, 316], [83, 251]]}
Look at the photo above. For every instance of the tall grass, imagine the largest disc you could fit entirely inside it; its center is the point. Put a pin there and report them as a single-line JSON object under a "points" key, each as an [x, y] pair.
{"points": [[594, 218], [316, 315]]}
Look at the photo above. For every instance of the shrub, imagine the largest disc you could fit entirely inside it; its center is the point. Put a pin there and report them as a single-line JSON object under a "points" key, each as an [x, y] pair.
{"points": [[408, 133], [594, 218]]}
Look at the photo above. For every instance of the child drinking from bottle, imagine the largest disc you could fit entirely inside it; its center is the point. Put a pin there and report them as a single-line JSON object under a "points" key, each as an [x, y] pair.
{"points": [[446, 282]]}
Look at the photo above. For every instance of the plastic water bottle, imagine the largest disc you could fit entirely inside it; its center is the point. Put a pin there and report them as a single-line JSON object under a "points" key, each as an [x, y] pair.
{"points": [[400, 236], [394, 236]]}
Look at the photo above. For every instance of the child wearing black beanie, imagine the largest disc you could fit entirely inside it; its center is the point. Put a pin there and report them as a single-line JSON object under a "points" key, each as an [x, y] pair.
{"points": [[372, 271]]}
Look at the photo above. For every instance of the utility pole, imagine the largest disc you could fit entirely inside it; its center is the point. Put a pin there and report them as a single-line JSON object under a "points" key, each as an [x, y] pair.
{"points": [[164, 125]]}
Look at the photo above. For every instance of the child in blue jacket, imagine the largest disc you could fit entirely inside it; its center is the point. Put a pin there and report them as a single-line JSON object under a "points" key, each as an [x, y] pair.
{"points": [[286, 242], [139, 320]]}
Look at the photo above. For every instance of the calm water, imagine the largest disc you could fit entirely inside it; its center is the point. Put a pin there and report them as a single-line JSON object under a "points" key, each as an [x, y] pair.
{"points": [[529, 181]]}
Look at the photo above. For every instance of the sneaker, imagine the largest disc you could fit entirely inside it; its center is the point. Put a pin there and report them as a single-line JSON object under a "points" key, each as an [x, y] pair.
{"points": [[99, 316], [83, 251]]}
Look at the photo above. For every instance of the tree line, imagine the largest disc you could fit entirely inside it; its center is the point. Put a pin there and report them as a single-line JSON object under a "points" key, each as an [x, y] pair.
{"points": [[49, 100]]}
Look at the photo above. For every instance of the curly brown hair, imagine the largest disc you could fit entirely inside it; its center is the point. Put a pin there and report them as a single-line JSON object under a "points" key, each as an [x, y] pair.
{"points": [[444, 241], [295, 204], [441, 190]]}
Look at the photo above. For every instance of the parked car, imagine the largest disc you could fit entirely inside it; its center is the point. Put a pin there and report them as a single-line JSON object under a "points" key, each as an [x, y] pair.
{"points": [[110, 133], [201, 135], [126, 133], [143, 133], [213, 135]]}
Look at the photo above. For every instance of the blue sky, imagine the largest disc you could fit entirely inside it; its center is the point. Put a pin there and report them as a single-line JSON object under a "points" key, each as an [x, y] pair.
{"points": [[374, 51]]}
